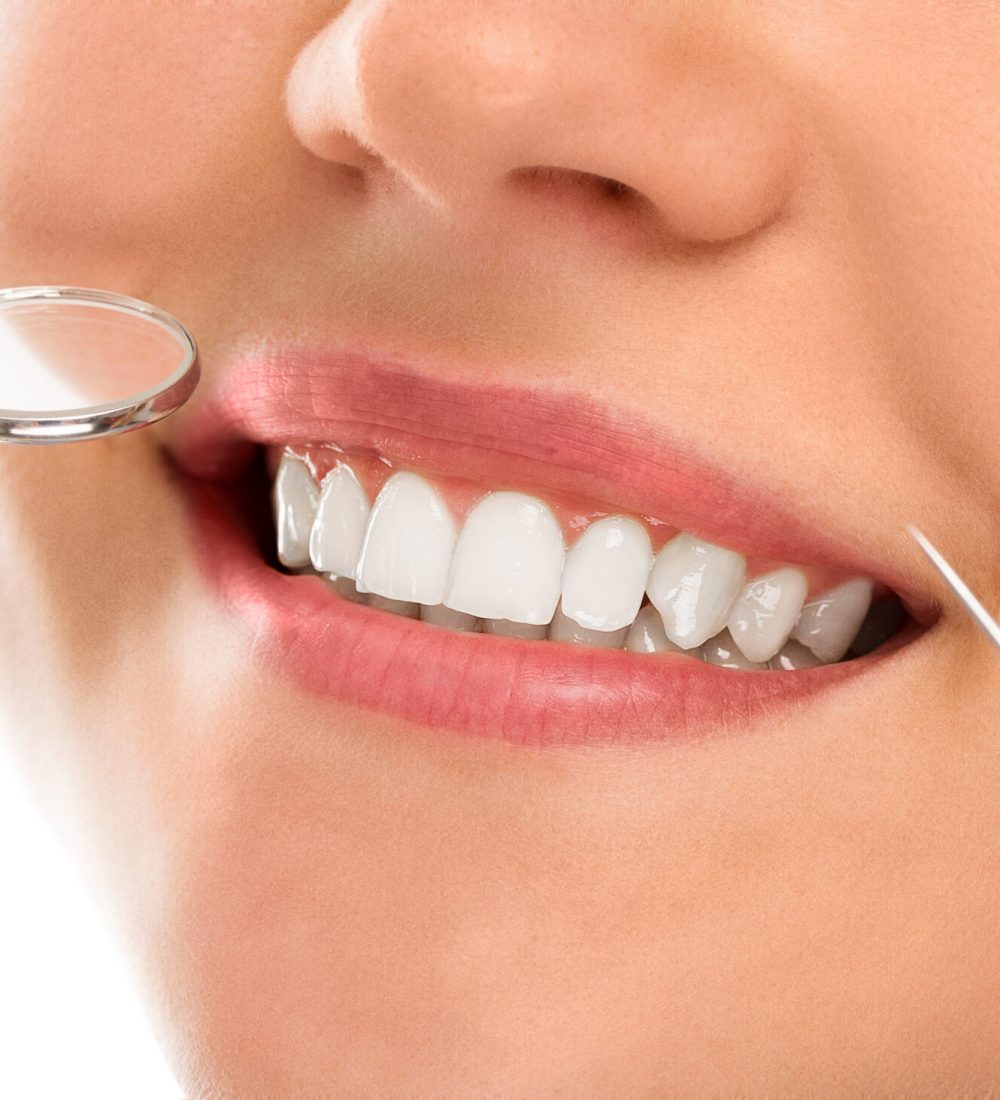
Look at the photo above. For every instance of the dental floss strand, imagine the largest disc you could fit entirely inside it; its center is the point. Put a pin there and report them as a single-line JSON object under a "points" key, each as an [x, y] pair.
{"points": [[985, 620]]}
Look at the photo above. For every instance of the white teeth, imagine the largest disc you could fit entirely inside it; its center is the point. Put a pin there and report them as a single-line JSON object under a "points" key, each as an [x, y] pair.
{"points": [[694, 584], [295, 497], [723, 652], [564, 629], [792, 656], [409, 542], [507, 572], [339, 528], [766, 611], [829, 623], [605, 574], [531, 632], [646, 634], [508, 561], [440, 615]]}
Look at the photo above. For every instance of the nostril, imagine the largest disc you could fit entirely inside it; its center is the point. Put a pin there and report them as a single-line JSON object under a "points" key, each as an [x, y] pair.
{"points": [[605, 208], [544, 177], [615, 188]]}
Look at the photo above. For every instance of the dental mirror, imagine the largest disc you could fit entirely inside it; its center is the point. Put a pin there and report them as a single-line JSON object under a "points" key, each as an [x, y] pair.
{"points": [[77, 363]]}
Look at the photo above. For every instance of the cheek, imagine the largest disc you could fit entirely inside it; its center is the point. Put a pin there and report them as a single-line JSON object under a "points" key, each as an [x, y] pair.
{"points": [[904, 97], [93, 549], [123, 122]]}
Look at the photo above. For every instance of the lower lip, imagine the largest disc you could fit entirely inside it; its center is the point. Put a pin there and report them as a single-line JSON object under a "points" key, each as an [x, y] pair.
{"points": [[529, 693]]}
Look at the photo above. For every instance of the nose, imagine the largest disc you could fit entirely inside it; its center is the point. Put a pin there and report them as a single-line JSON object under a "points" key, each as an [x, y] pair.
{"points": [[459, 100]]}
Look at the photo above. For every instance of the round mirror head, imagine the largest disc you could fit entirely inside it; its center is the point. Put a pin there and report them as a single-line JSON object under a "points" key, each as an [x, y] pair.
{"points": [[77, 363]]}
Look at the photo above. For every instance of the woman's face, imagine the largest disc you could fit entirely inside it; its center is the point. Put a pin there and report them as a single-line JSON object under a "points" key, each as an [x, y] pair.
{"points": [[355, 853]]}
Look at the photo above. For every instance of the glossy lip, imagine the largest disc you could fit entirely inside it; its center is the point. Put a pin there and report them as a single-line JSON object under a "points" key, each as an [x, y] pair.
{"points": [[536, 693]]}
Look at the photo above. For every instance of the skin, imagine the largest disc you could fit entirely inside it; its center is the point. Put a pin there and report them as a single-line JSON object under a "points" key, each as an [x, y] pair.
{"points": [[324, 901]]}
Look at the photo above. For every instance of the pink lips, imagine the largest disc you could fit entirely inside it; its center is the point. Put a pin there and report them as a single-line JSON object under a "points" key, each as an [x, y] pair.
{"points": [[538, 440]]}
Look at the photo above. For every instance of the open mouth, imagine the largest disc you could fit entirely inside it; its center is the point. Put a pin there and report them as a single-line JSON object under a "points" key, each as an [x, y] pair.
{"points": [[454, 554], [506, 562]]}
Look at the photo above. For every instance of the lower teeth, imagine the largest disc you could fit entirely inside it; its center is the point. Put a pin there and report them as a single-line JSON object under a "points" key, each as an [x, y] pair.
{"points": [[646, 634]]}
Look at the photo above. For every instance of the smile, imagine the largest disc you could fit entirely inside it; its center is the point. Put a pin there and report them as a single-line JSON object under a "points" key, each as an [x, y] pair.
{"points": [[507, 570], [417, 546]]}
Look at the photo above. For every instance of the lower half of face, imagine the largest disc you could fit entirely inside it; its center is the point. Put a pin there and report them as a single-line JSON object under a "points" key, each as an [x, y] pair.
{"points": [[512, 671]]}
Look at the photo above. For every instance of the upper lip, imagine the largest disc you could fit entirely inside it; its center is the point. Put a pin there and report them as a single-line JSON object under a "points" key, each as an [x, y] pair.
{"points": [[535, 438]]}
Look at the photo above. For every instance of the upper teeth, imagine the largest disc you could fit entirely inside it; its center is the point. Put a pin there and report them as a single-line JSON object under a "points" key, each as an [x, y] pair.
{"points": [[605, 574], [694, 585], [765, 612], [829, 623], [508, 571], [409, 542], [295, 500], [340, 524], [508, 561]]}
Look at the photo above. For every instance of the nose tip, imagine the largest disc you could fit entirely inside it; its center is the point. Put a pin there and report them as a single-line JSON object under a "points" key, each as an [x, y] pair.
{"points": [[457, 99]]}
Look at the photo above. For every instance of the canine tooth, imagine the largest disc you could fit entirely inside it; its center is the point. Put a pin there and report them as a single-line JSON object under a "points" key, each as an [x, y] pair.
{"points": [[440, 615], [531, 632], [794, 655], [295, 496], [564, 629], [508, 561], [724, 652], [829, 623], [396, 607], [646, 634], [694, 584], [339, 528], [605, 574], [766, 611], [408, 545]]}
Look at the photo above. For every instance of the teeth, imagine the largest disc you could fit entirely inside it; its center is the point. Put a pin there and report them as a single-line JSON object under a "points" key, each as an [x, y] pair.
{"points": [[694, 584], [339, 528], [404, 608], [508, 573], [295, 498], [829, 623], [408, 545], [440, 615], [724, 652], [531, 632], [792, 656], [605, 574], [564, 629], [646, 635], [508, 561], [766, 611]]}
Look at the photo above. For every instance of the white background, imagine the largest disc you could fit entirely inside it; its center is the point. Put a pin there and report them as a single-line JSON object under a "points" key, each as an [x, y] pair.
{"points": [[71, 1025]]}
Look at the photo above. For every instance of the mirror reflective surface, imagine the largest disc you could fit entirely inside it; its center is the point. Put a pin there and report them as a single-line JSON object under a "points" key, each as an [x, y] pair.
{"points": [[76, 363]]}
